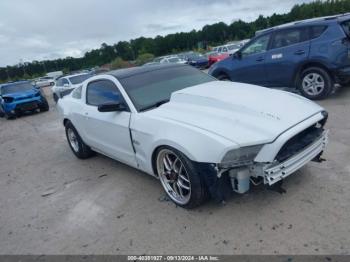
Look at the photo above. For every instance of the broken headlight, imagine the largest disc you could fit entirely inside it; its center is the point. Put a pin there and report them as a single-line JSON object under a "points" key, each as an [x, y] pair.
{"points": [[240, 157]]}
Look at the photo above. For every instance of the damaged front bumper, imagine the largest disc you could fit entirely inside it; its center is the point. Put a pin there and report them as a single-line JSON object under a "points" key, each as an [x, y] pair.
{"points": [[221, 181], [275, 172]]}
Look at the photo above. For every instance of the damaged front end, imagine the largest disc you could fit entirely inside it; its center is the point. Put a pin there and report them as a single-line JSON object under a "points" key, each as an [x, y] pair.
{"points": [[238, 170]]}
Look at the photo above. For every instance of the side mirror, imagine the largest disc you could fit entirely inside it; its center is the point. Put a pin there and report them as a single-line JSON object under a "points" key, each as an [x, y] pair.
{"points": [[112, 107], [66, 85]]}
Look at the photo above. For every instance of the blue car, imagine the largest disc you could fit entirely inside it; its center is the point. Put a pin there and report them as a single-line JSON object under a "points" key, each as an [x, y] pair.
{"points": [[195, 59], [19, 97], [310, 55]]}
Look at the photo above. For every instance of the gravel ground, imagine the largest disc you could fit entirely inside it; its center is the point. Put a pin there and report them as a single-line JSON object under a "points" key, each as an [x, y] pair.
{"points": [[53, 203]]}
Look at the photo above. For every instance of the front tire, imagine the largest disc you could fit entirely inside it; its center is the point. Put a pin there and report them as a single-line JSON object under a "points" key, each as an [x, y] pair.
{"points": [[9, 116], [44, 107], [79, 148], [223, 77], [179, 178], [315, 83]]}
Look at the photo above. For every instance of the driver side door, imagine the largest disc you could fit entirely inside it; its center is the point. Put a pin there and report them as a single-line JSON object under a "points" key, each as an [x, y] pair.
{"points": [[248, 67], [107, 132]]}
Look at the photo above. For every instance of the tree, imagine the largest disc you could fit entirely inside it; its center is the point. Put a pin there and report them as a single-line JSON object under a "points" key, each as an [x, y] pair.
{"points": [[143, 48]]}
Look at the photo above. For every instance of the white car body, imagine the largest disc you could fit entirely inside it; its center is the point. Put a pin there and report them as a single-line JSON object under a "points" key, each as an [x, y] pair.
{"points": [[64, 84], [204, 122], [44, 81], [172, 60]]}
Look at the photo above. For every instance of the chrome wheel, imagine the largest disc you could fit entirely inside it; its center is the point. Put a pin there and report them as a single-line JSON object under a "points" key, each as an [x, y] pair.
{"points": [[73, 140], [173, 176], [313, 84]]}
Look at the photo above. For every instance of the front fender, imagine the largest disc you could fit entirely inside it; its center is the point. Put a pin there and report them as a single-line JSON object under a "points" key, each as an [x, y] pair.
{"points": [[220, 68], [197, 144]]}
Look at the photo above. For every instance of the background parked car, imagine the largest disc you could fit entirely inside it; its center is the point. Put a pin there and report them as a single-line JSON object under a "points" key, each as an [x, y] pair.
{"points": [[195, 59], [229, 48], [66, 84], [44, 81], [214, 57], [172, 60], [311, 55], [19, 97]]}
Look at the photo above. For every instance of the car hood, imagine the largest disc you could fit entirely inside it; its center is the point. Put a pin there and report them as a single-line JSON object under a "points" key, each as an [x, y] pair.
{"points": [[22, 95], [242, 113]]}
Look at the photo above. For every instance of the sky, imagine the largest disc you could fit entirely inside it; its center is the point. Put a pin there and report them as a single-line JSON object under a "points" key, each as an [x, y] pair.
{"points": [[50, 29]]}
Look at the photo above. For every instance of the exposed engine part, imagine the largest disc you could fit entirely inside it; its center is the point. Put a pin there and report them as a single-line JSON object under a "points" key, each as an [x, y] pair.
{"points": [[240, 180], [256, 180]]}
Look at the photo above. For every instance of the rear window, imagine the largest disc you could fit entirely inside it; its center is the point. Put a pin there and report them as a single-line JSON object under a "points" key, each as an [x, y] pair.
{"points": [[316, 31]]}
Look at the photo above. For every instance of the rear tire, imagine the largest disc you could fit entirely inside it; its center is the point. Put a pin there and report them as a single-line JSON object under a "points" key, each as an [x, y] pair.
{"points": [[315, 83], [79, 148], [179, 178]]}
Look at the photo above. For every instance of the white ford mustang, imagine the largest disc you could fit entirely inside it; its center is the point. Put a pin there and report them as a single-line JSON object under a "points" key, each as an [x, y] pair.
{"points": [[199, 136]]}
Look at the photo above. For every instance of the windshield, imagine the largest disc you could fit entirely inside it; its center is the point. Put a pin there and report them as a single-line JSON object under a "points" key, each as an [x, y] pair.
{"points": [[16, 88], [194, 55], [150, 88], [78, 79], [231, 47], [173, 59], [211, 53]]}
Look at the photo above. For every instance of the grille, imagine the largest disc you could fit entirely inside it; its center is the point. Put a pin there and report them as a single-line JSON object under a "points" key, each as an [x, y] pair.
{"points": [[27, 106], [300, 141]]}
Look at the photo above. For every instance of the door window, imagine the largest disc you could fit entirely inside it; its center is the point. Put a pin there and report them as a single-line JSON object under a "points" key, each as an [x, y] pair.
{"points": [[257, 46], [59, 82], [289, 37], [65, 81], [102, 92]]}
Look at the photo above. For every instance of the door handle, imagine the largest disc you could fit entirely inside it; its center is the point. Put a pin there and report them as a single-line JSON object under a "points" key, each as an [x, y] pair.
{"points": [[259, 59], [299, 52]]}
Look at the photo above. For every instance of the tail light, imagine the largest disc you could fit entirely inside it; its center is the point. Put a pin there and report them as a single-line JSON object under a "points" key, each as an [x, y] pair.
{"points": [[8, 99]]}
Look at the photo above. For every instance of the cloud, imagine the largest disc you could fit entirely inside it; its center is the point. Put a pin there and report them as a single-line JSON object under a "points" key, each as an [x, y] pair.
{"points": [[33, 30]]}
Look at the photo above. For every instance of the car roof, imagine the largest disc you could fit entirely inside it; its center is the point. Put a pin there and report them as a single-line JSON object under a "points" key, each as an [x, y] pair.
{"points": [[14, 83], [77, 74], [127, 72], [312, 21]]}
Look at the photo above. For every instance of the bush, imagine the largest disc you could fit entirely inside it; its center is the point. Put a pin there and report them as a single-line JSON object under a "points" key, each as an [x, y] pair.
{"points": [[144, 58], [119, 63]]}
